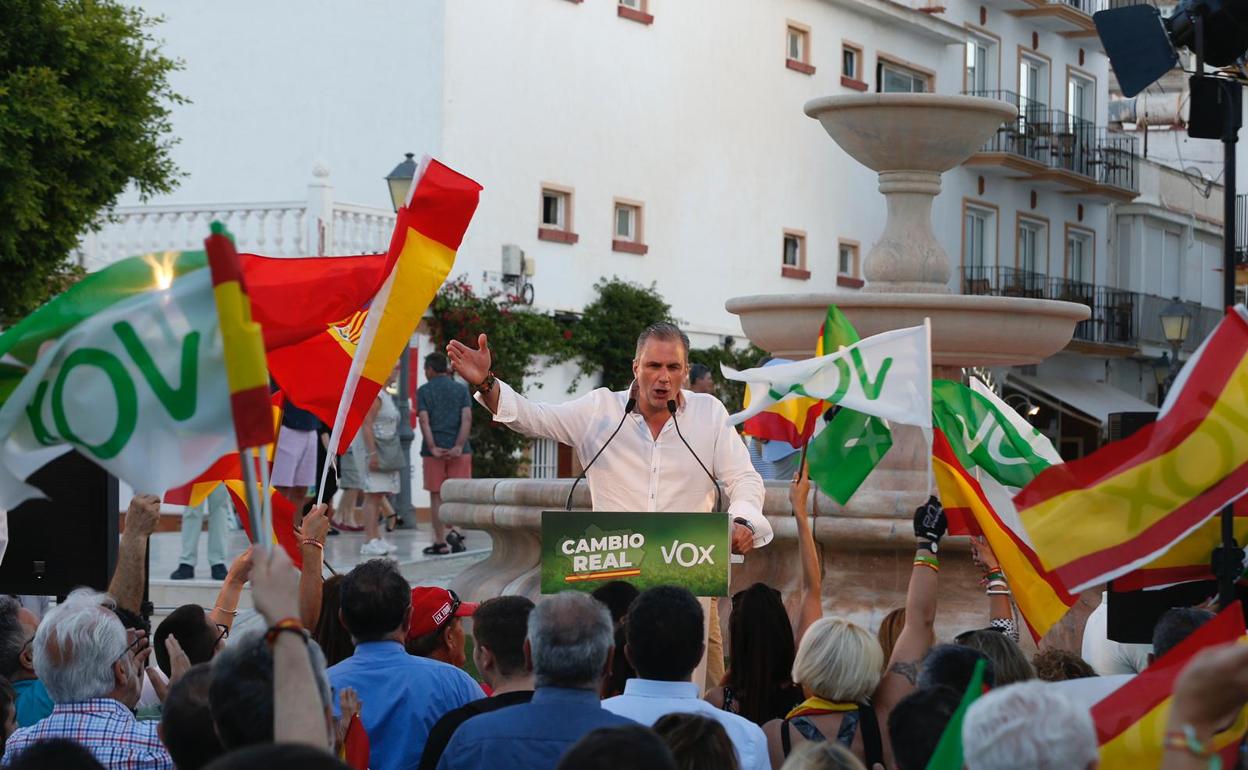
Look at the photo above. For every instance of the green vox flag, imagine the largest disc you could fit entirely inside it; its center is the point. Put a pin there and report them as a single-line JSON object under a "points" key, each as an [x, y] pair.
{"points": [[948, 754], [844, 453], [582, 550], [982, 434]]}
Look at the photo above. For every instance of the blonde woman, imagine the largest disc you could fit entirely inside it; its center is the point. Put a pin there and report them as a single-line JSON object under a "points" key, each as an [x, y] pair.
{"points": [[838, 667]]}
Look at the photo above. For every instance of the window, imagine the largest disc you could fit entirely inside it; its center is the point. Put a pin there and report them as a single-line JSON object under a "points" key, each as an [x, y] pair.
{"points": [[555, 209], [981, 58], [635, 5], [797, 44], [793, 255], [979, 242], [1080, 100], [1033, 88], [1078, 257], [556, 215], [1033, 246], [894, 78], [847, 259], [849, 62], [627, 228], [635, 10]]}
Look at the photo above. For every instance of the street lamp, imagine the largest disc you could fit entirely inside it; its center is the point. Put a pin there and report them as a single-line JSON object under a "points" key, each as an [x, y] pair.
{"points": [[1161, 372], [399, 184], [1176, 324], [1024, 406]]}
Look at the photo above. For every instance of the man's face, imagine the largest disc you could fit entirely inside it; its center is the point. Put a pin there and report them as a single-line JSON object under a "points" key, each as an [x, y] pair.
{"points": [[660, 371], [455, 641], [703, 384]]}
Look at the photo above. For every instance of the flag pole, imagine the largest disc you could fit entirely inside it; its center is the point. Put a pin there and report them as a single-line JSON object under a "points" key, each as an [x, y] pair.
{"points": [[266, 500], [248, 463]]}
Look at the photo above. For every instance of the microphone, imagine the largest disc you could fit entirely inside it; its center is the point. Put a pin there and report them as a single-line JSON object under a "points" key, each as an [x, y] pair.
{"points": [[671, 408], [628, 408]]}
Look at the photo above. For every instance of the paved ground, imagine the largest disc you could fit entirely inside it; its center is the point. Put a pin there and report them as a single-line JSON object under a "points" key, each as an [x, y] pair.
{"points": [[342, 552]]}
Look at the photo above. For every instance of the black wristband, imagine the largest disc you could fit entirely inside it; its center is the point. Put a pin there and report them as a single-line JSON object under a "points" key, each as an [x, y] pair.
{"points": [[745, 523], [927, 545]]}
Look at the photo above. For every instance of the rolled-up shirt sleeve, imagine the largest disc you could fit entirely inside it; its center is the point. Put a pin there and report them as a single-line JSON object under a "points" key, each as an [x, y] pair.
{"points": [[565, 423], [742, 483]]}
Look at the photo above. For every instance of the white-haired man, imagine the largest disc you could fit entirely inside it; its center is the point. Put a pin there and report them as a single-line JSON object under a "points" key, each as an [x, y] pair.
{"points": [[92, 668], [1028, 726]]}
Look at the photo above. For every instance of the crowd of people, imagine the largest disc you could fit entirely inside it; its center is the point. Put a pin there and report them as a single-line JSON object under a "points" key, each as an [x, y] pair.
{"points": [[574, 681]]}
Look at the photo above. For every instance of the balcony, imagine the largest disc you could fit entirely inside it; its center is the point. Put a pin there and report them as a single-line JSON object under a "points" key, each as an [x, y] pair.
{"points": [[1121, 321], [1054, 150], [1241, 232], [1070, 18]]}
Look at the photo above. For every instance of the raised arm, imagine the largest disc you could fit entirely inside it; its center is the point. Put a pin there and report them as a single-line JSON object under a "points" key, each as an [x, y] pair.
{"points": [[1000, 608], [312, 535], [126, 587], [1208, 695], [566, 423], [812, 578], [225, 608], [916, 635]]}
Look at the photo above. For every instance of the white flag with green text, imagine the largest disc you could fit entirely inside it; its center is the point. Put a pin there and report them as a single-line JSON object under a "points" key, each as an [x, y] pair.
{"points": [[132, 376], [888, 375]]}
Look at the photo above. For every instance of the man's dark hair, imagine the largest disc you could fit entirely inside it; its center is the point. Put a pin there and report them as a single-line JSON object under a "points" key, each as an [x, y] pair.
{"points": [[437, 362], [500, 625], [189, 625], [663, 330], [279, 756], [952, 666], [374, 599], [186, 721], [697, 372], [1055, 665], [12, 636], [240, 695], [424, 646], [618, 748], [697, 741], [618, 595], [61, 753], [665, 633], [1175, 625], [916, 723]]}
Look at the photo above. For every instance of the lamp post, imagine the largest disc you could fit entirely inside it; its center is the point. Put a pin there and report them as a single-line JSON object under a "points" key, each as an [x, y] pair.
{"points": [[1162, 371], [1176, 324], [399, 184]]}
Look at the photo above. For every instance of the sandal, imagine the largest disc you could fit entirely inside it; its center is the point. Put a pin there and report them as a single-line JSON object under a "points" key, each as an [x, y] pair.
{"points": [[390, 521], [456, 541], [437, 549], [338, 525]]}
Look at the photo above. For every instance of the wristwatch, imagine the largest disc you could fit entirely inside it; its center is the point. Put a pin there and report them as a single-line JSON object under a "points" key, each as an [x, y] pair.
{"points": [[487, 384], [927, 545], [745, 523]]}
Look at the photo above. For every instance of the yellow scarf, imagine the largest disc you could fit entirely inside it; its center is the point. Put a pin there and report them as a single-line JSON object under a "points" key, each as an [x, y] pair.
{"points": [[816, 706]]}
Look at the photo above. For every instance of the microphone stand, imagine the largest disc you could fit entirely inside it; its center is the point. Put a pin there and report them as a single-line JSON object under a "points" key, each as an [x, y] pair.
{"points": [[671, 408], [628, 409]]}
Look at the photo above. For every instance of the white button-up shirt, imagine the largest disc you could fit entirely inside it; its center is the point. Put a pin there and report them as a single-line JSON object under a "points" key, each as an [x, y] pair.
{"points": [[639, 472], [648, 700]]}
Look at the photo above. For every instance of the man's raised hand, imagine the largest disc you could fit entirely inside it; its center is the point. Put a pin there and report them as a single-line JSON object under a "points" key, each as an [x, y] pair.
{"points": [[472, 365]]}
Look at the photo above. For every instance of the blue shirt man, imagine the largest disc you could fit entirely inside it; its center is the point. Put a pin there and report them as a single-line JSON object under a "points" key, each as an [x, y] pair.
{"points": [[570, 640], [402, 696]]}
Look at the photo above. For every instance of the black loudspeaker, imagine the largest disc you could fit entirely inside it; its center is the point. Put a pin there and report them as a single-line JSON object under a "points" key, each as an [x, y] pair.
{"points": [[1123, 424], [68, 540], [1211, 98], [1132, 614]]}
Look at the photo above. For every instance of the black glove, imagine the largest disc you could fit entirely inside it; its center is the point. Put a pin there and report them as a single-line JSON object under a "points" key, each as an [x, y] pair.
{"points": [[929, 520]]}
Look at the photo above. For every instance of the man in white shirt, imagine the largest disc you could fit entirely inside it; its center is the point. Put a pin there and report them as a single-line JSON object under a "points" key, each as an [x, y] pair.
{"points": [[664, 633], [647, 467]]}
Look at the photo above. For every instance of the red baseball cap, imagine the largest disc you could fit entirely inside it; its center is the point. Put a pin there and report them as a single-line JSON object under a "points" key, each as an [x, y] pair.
{"points": [[432, 607]]}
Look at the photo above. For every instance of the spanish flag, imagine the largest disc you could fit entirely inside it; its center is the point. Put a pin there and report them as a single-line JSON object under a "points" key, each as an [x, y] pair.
{"points": [[1131, 721], [1189, 559], [1128, 503], [337, 373], [1041, 599]]}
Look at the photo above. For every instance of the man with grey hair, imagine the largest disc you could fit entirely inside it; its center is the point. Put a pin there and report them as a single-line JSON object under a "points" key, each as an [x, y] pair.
{"points": [[92, 668], [1028, 726], [17, 662], [570, 641]]}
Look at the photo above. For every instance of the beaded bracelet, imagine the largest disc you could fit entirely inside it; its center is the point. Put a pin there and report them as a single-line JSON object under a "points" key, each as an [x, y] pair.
{"points": [[313, 541], [927, 561], [292, 625], [1186, 740]]}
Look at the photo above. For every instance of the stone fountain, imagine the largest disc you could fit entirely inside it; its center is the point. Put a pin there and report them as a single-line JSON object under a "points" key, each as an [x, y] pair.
{"points": [[867, 545]]}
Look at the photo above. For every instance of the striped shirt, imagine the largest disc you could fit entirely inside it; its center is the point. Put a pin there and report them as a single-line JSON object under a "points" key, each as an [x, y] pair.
{"points": [[105, 727]]}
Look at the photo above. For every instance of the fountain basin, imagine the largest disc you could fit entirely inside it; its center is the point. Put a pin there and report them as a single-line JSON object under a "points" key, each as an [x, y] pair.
{"points": [[966, 330]]}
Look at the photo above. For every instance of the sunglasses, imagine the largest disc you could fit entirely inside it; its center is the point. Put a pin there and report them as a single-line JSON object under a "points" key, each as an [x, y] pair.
{"points": [[223, 633], [140, 641]]}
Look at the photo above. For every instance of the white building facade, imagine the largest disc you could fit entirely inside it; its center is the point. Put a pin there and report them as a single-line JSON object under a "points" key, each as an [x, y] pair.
{"points": [[655, 140]]}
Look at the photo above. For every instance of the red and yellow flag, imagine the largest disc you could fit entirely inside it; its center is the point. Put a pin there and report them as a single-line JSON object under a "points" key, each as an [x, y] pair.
{"points": [[1041, 599], [1125, 505], [355, 747], [1189, 559], [349, 361], [1131, 721]]}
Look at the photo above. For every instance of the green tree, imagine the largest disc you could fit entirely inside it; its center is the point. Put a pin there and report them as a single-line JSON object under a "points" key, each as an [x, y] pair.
{"points": [[730, 392], [517, 336], [605, 339], [84, 111]]}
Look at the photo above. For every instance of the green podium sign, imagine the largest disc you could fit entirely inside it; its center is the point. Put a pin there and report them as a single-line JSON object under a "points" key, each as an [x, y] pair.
{"points": [[582, 550]]}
